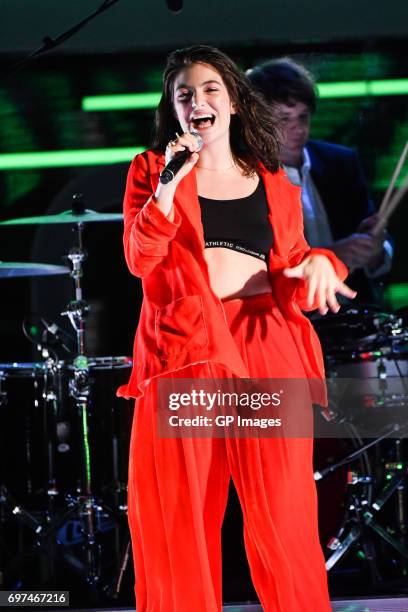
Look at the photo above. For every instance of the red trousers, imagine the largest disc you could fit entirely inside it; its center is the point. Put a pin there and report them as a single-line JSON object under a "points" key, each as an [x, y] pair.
{"points": [[178, 489]]}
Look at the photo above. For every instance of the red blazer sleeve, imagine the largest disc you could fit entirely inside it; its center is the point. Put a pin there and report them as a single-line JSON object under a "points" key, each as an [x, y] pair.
{"points": [[299, 251], [147, 231]]}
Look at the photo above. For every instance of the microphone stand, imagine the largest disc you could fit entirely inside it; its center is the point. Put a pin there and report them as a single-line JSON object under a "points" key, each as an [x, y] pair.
{"points": [[51, 43]]}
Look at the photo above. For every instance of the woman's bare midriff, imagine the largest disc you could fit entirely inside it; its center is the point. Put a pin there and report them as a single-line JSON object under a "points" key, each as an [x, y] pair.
{"points": [[234, 275]]}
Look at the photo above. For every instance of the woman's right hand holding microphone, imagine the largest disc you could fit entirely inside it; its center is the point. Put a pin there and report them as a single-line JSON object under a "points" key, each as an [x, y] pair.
{"points": [[165, 193]]}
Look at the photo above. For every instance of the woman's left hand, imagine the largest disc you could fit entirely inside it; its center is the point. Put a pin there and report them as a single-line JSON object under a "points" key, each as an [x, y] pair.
{"points": [[322, 281]]}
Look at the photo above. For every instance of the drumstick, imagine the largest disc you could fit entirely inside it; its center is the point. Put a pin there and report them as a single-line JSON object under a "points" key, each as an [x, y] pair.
{"points": [[397, 170], [393, 203]]}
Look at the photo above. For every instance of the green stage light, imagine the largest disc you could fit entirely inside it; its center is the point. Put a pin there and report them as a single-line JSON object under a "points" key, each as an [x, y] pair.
{"points": [[340, 89], [73, 157], [390, 87], [396, 295], [353, 89], [350, 89], [121, 101]]}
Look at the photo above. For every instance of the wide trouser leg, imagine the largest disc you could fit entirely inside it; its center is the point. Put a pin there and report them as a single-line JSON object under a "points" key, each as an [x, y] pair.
{"points": [[275, 485], [178, 491], [177, 496], [274, 476]]}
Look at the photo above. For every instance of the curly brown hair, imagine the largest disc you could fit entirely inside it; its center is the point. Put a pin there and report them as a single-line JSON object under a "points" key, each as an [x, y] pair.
{"points": [[254, 135]]}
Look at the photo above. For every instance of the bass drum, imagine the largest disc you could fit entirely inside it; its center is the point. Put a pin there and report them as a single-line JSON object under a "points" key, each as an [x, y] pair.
{"points": [[42, 441]]}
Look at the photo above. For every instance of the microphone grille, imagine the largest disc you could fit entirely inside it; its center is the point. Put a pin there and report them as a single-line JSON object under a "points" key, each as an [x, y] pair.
{"points": [[198, 138]]}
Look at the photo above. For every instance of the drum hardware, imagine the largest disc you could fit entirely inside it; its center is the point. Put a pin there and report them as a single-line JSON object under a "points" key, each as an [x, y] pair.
{"points": [[7, 500], [112, 590], [84, 507], [355, 330], [368, 345], [401, 494], [389, 431], [360, 520], [47, 337], [54, 430], [50, 398], [354, 478], [11, 505], [3, 394]]}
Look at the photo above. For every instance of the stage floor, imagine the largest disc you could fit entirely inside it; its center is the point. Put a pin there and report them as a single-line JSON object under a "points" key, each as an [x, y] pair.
{"points": [[396, 604]]}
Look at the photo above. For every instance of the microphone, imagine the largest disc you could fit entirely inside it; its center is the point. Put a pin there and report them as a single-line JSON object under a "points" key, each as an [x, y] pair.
{"points": [[178, 161]]}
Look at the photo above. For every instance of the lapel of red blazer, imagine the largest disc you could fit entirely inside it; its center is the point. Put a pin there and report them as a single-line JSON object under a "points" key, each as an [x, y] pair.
{"points": [[186, 200], [278, 216]]}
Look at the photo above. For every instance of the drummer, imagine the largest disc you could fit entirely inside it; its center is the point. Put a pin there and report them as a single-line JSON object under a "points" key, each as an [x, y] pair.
{"points": [[338, 213]]}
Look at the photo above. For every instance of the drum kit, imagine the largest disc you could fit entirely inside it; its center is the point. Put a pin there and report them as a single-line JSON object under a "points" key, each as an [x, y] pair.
{"points": [[64, 440], [65, 443]]}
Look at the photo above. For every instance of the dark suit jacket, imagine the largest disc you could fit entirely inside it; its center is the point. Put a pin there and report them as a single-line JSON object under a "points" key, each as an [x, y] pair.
{"points": [[337, 174]]}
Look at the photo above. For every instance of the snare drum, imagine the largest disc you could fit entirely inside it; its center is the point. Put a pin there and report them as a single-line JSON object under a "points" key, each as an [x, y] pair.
{"points": [[366, 353], [362, 342]]}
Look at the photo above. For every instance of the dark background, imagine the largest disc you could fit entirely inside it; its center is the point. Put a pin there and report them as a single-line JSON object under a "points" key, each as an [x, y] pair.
{"points": [[124, 51], [40, 110]]}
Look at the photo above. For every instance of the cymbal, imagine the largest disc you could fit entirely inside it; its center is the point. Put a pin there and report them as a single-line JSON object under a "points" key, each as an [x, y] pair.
{"points": [[89, 216], [12, 269]]}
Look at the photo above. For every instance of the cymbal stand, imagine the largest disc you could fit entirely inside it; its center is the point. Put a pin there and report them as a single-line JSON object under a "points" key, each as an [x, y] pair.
{"points": [[79, 385], [80, 390], [84, 504]]}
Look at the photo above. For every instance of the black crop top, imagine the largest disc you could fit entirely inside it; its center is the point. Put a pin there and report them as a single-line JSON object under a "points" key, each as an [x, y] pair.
{"points": [[241, 224]]}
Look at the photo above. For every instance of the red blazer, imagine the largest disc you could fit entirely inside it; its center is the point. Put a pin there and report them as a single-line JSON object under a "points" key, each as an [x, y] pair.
{"points": [[181, 320]]}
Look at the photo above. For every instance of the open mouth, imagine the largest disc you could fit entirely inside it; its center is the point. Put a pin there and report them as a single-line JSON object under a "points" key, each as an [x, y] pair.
{"points": [[203, 121]]}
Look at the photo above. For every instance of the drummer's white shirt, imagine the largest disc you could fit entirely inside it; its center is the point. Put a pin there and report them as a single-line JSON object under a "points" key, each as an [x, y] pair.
{"points": [[316, 223]]}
